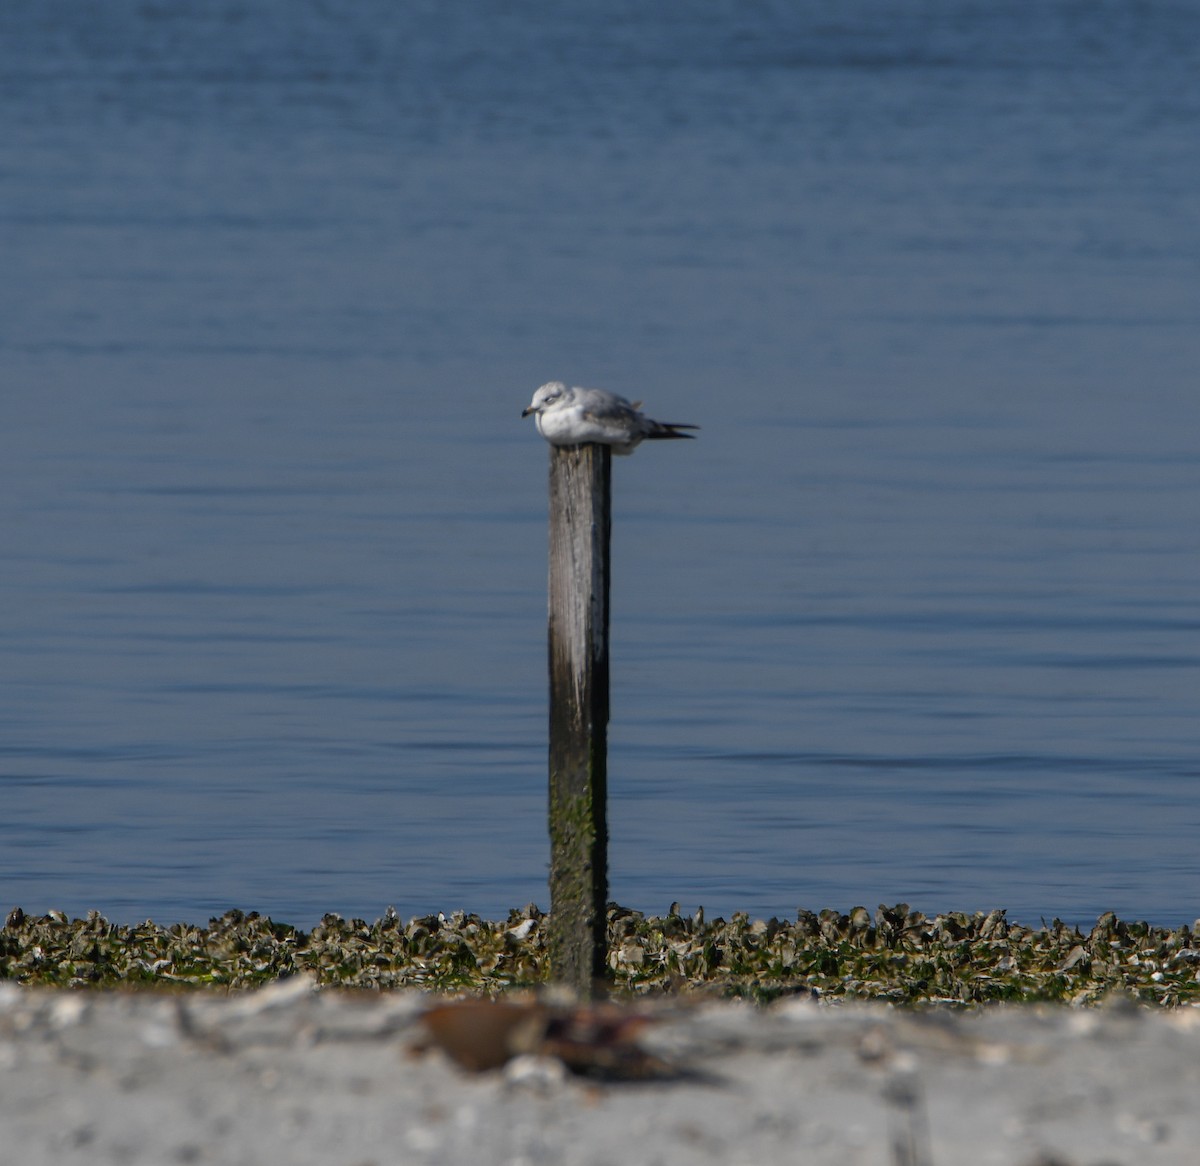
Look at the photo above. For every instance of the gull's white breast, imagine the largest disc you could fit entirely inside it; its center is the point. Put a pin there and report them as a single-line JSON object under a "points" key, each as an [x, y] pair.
{"points": [[568, 424]]}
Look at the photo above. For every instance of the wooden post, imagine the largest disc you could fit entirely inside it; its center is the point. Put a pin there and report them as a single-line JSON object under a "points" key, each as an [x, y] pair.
{"points": [[580, 533]]}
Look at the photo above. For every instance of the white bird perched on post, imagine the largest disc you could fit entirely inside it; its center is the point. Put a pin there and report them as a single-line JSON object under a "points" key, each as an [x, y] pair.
{"points": [[577, 416]]}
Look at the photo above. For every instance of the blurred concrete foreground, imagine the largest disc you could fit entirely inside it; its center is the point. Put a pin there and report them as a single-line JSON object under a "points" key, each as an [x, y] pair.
{"points": [[289, 1074]]}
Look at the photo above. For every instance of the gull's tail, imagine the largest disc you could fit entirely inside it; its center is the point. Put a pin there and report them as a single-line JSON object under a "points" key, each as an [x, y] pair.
{"points": [[668, 431]]}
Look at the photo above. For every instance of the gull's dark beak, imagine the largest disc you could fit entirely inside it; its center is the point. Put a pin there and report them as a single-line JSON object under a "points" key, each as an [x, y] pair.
{"points": [[526, 411]]}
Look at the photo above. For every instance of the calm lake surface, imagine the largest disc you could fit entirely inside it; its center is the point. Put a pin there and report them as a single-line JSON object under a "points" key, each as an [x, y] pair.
{"points": [[914, 620]]}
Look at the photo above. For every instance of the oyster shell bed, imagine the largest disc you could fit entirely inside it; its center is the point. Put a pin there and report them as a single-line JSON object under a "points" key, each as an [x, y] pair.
{"points": [[894, 954]]}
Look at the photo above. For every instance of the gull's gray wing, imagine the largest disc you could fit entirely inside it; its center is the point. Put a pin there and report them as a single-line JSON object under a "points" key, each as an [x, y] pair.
{"points": [[609, 413]]}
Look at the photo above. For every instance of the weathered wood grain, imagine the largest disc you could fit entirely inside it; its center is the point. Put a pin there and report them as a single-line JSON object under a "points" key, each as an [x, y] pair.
{"points": [[580, 536]]}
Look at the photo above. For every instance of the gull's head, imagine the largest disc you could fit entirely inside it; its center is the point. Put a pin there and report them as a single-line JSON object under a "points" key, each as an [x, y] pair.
{"points": [[545, 397]]}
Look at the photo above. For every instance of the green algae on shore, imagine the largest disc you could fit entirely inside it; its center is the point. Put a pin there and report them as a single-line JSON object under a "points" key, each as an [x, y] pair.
{"points": [[895, 954]]}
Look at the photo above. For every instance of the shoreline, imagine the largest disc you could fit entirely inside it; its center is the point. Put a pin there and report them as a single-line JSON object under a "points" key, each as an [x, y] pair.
{"points": [[894, 954]]}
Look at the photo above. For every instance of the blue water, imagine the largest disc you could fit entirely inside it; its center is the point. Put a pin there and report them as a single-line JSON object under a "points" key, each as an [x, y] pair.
{"points": [[914, 620]]}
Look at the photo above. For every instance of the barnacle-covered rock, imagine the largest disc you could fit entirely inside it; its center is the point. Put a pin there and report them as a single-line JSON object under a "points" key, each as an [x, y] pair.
{"points": [[896, 954]]}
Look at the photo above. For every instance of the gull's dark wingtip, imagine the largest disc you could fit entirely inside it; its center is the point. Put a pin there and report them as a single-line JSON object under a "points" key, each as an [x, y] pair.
{"points": [[668, 431]]}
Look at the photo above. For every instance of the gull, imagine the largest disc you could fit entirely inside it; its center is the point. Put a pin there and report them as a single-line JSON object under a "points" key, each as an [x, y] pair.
{"points": [[576, 416]]}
